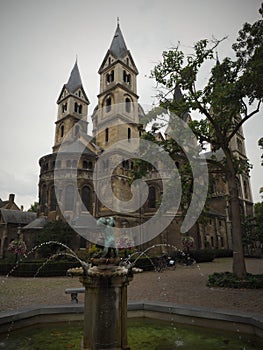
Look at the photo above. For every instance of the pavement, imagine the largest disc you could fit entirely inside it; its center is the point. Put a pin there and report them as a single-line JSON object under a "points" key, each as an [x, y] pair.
{"points": [[184, 285]]}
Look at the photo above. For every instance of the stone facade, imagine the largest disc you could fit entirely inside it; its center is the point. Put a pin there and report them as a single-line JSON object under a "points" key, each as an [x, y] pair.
{"points": [[116, 118]]}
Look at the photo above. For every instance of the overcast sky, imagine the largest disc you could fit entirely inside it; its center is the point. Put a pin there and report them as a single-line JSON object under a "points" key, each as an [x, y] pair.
{"points": [[39, 41]]}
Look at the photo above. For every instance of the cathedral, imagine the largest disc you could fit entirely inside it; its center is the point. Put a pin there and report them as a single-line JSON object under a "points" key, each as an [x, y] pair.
{"points": [[116, 118]]}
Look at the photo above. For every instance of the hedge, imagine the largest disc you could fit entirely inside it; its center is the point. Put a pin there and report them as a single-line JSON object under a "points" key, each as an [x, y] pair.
{"points": [[30, 269], [230, 280]]}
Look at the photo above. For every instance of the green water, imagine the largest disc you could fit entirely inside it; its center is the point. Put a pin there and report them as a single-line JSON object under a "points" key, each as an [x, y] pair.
{"points": [[144, 334]]}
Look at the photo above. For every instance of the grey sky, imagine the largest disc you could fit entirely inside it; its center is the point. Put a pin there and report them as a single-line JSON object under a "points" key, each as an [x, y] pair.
{"points": [[39, 42]]}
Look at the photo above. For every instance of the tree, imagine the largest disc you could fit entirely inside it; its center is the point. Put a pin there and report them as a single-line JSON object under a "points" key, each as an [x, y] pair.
{"points": [[232, 95], [57, 231], [34, 207]]}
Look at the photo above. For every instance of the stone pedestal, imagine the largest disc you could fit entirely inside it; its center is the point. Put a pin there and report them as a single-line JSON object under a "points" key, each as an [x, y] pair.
{"points": [[105, 312]]}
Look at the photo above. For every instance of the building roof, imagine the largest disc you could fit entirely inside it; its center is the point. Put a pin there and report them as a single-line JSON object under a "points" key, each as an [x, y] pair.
{"points": [[17, 216], [74, 81], [36, 224], [118, 47]]}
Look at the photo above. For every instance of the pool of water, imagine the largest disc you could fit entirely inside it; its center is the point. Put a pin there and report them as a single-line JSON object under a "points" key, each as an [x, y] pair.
{"points": [[143, 334]]}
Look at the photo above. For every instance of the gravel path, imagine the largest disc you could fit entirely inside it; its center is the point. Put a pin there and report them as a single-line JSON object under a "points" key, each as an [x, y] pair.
{"points": [[184, 285]]}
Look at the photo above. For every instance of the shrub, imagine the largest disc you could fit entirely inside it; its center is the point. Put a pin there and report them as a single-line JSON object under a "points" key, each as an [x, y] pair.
{"points": [[223, 253], [30, 268], [230, 280], [204, 255]]}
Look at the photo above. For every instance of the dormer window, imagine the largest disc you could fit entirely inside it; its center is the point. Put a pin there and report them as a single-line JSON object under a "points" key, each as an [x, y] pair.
{"points": [[127, 61], [79, 93]]}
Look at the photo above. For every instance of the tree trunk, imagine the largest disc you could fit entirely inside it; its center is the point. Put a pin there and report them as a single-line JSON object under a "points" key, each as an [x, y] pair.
{"points": [[239, 267]]}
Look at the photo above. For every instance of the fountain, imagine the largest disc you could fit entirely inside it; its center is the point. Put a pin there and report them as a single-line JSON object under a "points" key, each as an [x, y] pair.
{"points": [[105, 310]]}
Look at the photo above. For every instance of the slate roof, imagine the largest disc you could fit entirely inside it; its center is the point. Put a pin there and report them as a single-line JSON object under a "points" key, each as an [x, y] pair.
{"points": [[36, 224], [17, 216], [74, 81], [118, 47]]}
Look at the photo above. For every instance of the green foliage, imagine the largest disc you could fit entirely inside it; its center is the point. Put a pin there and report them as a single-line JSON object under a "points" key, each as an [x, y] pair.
{"points": [[230, 280], [58, 231], [34, 207], [30, 268], [223, 253], [202, 255]]}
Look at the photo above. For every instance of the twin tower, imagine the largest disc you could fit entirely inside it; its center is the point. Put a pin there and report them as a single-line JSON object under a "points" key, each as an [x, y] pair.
{"points": [[116, 117]]}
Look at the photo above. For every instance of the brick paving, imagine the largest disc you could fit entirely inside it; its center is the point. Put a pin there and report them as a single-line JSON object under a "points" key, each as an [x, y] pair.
{"points": [[185, 285]]}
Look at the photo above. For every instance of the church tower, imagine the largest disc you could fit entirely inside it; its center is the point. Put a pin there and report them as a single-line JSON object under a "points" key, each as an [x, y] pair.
{"points": [[72, 109], [116, 116]]}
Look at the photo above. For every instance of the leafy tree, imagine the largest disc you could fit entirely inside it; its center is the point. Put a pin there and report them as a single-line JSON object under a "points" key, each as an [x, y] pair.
{"points": [[34, 207], [57, 231], [232, 95]]}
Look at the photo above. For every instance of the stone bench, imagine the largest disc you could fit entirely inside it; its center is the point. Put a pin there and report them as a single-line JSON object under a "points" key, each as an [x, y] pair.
{"points": [[74, 293]]}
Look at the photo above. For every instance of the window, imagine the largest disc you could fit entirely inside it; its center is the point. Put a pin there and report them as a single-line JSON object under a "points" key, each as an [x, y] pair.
{"points": [[75, 107], [79, 93], [69, 198], [64, 107], [68, 163], [126, 77], [85, 164], [129, 134], [108, 104], [43, 200], [127, 105], [127, 61], [90, 165], [107, 135], [110, 77], [53, 200], [152, 197], [62, 130], [86, 198], [76, 130], [245, 189]]}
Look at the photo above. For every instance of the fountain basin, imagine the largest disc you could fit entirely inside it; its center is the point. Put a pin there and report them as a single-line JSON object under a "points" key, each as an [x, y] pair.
{"points": [[246, 323]]}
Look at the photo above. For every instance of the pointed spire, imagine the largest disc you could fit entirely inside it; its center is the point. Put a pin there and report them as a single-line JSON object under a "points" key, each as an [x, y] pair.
{"points": [[118, 47], [74, 81]]}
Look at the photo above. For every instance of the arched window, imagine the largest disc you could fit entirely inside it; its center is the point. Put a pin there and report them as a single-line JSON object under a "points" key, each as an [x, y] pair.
{"points": [[129, 134], [62, 130], [110, 77], [152, 197], [43, 200], [64, 107], [69, 198], [90, 165], [108, 104], [76, 107], [80, 109], [76, 130], [68, 163], [86, 198], [107, 135], [85, 164], [53, 200], [126, 77], [127, 105]]}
